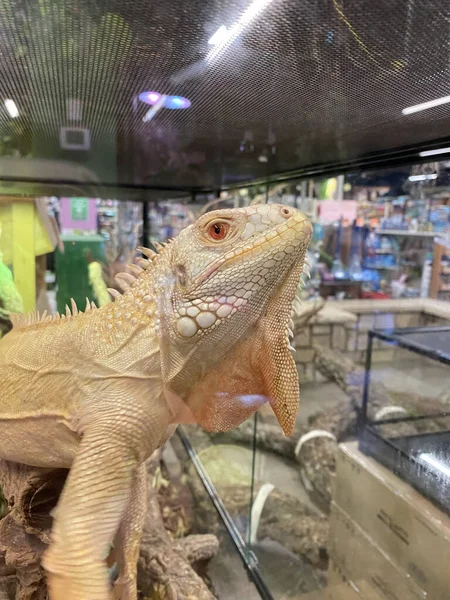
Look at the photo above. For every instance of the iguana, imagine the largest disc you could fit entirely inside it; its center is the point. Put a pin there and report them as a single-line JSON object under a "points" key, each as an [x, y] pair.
{"points": [[200, 334]]}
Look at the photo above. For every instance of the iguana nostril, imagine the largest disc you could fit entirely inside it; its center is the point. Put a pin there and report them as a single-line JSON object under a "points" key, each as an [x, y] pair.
{"points": [[286, 212]]}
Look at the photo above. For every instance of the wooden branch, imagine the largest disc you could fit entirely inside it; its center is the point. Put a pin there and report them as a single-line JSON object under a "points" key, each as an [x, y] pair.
{"points": [[269, 437], [25, 531], [165, 570], [166, 565]]}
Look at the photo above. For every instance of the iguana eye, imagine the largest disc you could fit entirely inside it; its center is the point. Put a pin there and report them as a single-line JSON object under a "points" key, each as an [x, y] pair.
{"points": [[218, 231]]}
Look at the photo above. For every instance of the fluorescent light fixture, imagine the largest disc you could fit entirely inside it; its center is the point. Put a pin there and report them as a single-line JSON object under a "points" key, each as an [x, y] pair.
{"points": [[422, 177], [12, 109], [432, 461], [425, 105], [218, 37], [434, 152], [255, 8]]}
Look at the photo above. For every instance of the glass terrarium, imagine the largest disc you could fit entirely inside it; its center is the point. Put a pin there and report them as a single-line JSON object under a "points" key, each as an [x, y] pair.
{"points": [[412, 439]]}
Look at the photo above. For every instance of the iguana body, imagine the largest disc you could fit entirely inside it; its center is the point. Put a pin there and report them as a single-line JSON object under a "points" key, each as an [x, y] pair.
{"points": [[201, 334]]}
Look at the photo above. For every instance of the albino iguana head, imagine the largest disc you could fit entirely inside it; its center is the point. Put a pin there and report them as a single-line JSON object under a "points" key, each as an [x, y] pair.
{"points": [[224, 290]]}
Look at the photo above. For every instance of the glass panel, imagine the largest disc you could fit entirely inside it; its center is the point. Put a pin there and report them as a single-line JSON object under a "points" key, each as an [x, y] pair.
{"points": [[226, 572]]}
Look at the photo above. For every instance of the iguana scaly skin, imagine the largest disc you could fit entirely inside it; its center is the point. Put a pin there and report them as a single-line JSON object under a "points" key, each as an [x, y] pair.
{"points": [[201, 334]]}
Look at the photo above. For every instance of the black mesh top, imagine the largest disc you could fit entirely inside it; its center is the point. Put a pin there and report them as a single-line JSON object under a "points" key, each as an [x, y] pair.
{"points": [[292, 85]]}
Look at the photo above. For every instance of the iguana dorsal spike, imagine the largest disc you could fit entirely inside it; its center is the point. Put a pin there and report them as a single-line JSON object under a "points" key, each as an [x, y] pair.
{"points": [[157, 245], [68, 313], [123, 284], [93, 306], [74, 307], [144, 263], [128, 277], [88, 305], [135, 269], [147, 252], [114, 293], [44, 315]]}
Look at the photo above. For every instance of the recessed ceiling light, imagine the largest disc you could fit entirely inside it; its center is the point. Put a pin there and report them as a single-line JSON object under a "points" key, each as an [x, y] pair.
{"points": [[425, 105], [434, 152], [12, 109], [176, 102], [171, 102], [218, 37]]}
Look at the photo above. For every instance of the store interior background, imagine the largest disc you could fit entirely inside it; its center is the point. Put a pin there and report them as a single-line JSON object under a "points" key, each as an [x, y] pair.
{"points": [[122, 122]]}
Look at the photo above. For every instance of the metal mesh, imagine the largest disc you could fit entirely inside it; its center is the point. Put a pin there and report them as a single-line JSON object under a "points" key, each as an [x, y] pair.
{"points": [[305, 83]]}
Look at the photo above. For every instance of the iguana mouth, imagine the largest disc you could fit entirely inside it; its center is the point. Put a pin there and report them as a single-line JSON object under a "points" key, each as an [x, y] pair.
{"points": [[288, 231]]}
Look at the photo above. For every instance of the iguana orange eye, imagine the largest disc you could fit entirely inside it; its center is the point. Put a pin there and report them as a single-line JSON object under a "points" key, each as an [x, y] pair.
{"points": [[218, 231]]}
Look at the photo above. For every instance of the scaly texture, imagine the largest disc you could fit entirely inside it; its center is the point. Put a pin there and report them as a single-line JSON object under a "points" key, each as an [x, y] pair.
{"points": [[200, 334]]}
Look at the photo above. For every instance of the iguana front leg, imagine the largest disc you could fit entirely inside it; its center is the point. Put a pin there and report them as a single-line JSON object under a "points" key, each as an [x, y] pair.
{"points": [[98, 489], [128, 538]]}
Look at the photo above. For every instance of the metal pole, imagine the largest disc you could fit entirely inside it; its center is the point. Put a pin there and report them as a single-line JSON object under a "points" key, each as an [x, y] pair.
{"points": [[365, 399], [145, 224]]}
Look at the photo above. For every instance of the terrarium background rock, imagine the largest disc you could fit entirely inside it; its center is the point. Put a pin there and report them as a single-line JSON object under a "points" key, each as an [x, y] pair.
{"points": [[284, 519]]}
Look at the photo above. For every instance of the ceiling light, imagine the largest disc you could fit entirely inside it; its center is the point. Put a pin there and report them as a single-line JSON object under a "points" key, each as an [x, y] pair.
{"points": [[434, 152], [256, 7], [171, 102], [218, 37], [422, 177], [154, 110], [176, 102], [425, 105], [12, 109]]}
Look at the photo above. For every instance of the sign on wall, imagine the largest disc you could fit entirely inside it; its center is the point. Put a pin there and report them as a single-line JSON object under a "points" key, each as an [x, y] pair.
{"points": [[78, 214]]}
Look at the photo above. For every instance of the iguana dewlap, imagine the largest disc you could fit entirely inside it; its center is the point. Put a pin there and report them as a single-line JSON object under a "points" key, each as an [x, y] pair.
{"points": [[201, 333]]}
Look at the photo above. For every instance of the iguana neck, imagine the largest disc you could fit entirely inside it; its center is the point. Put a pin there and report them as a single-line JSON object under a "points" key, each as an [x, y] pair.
{"points": [[128, 331]]}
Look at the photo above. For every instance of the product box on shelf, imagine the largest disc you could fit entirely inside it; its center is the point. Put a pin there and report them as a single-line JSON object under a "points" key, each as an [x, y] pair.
{"points": [[362, 562], [413, 532]]}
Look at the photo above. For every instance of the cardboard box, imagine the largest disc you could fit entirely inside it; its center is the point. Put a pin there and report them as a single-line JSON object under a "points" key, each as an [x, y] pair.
{"points": [[412, 531], [362, 562], [341, 588]]}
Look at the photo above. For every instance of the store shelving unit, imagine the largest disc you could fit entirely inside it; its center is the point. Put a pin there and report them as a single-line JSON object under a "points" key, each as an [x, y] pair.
{"points": [[406, 232], [440, 275]]}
